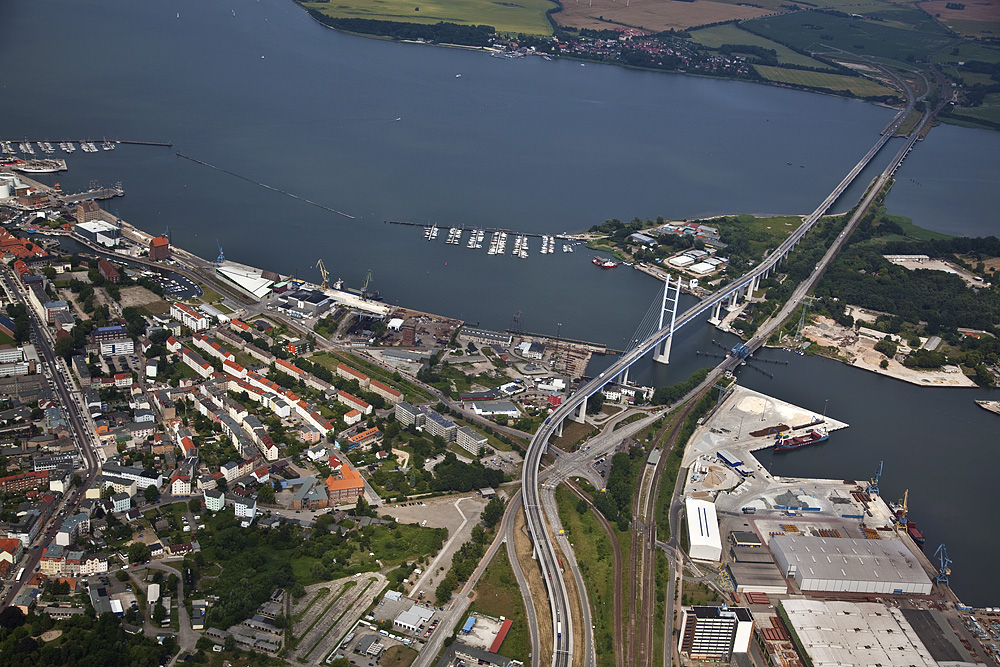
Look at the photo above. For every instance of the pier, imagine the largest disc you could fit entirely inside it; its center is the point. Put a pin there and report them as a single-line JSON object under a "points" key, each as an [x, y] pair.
{"points": [[594, 348], [94, 193], [135, 142], [488, 230]]}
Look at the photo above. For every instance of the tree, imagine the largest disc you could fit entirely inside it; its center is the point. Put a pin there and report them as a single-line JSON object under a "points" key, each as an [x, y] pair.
{"points": [[138, 553], [493, 511], [159, 612], [121, 575], [65, 347], [265, 494], [151, 494], [883, 364], [229, 644], [194, 505]]}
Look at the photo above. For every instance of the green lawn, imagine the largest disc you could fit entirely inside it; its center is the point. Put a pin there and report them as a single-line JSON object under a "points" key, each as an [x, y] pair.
{"points": [[5, 339], [816, 31], [729, 33], [497, 594], [398, 656], [835, 82], [525, 16], [595, 557]]}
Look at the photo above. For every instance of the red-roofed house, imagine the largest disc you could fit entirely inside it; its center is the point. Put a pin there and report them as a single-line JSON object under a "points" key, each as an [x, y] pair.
{"points": [[354, 402], [234, 368], [109, 272], [385, 391], [159, 248], [11, 550], [187, 447], [352, 417], [349, 373], [288, 367], [261, 475]]}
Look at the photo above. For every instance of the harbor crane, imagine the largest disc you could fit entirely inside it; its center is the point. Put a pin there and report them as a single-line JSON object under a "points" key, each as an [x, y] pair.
{"points": [[323, 272], [872, 488], [944, 569], [222, 257], [364, 286], [901, 509]]}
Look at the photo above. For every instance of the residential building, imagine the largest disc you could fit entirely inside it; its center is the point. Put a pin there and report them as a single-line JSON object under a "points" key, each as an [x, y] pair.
{"points": [[189, 317], [438, 425], [715, 633], [109, 272], [11, 550], [365, 437], [121, 502], [409, 415], [354, 402], [390, 395], [349, 373], [214, 500], [72, 528], [352, 417], [471, 440]]}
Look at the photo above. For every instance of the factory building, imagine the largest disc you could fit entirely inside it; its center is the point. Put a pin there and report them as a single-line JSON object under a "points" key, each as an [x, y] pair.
{"points": [[850, 566], [486, 337], [306, 302], [703, 530], [715, 633], [100, 232], [849, 633]]}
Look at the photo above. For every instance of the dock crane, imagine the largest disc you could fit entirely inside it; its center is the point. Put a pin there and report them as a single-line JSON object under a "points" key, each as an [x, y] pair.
{"points": [[364, 287], [222, 257], [872, 488], [323, 272], [901, 509], [944, 569]]}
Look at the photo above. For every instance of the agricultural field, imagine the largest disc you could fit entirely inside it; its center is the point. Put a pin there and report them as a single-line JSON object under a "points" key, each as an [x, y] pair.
{"points": [[819, 32], [989, 110], [729, 33], [969, 51], [834, 82], [653, 15], [519, 16], [978, 19]]}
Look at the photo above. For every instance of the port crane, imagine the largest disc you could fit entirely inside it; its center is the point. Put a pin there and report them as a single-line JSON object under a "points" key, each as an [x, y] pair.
{"points": [[872, 488], [364, 287], [901, 510], [944, 569], [323, 272], [222, 257]]}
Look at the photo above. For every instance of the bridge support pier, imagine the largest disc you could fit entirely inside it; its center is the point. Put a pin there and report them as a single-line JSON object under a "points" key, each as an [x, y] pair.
{"points": [[754, 285], [623, 378], [733, 302], [716, 318], [579, 415], [559, 430], [662, 355]]}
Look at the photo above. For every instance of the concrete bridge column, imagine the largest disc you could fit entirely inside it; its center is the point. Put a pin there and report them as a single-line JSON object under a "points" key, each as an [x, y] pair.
{"points": [[755, 285], [716, 312], [559, 430], [734, 300], [580, 414], [662, 355], [623, 378]]}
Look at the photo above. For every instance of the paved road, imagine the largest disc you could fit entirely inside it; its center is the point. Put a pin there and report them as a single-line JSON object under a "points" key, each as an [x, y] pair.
{"points": [[83, 437], [558, 601]]}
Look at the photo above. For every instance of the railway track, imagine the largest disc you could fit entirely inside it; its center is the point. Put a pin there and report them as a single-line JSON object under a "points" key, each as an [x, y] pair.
{"points": [[642, 641]]}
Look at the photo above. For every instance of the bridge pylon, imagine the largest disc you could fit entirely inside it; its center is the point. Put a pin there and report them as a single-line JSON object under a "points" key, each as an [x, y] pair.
{"points": [[662, 354]]}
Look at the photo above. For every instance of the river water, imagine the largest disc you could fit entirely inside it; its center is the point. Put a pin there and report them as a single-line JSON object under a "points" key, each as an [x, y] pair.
{"points": [[385, 131]]}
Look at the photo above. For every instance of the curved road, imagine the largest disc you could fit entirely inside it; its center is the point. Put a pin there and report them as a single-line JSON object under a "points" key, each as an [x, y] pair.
{"points": [[558, 598]]}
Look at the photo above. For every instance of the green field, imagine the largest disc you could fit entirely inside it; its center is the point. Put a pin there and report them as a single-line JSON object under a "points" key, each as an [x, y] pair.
{"points": [[816, 31], [969, 51], [595, 557], [988, 110], [522, 16], [834, 82], [728, 33], [497, 594]]}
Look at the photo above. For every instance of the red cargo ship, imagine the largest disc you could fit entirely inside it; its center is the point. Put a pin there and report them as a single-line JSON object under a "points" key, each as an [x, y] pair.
{"points": [[785, 443]]}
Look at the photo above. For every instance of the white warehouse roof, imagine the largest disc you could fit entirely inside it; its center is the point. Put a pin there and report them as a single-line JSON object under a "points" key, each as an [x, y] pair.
{"points": [[845, 564], [701, 268], [847, 633], [682, 260], [703, 530]]}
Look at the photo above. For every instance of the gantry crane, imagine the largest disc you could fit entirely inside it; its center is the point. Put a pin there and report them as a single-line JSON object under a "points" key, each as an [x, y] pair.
{"points": [[901, 510], [944, 569], [872, 488], [323, 272]]}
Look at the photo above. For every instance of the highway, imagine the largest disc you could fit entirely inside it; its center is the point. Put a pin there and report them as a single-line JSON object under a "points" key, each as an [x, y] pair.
{"points": [[531, 492]]}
